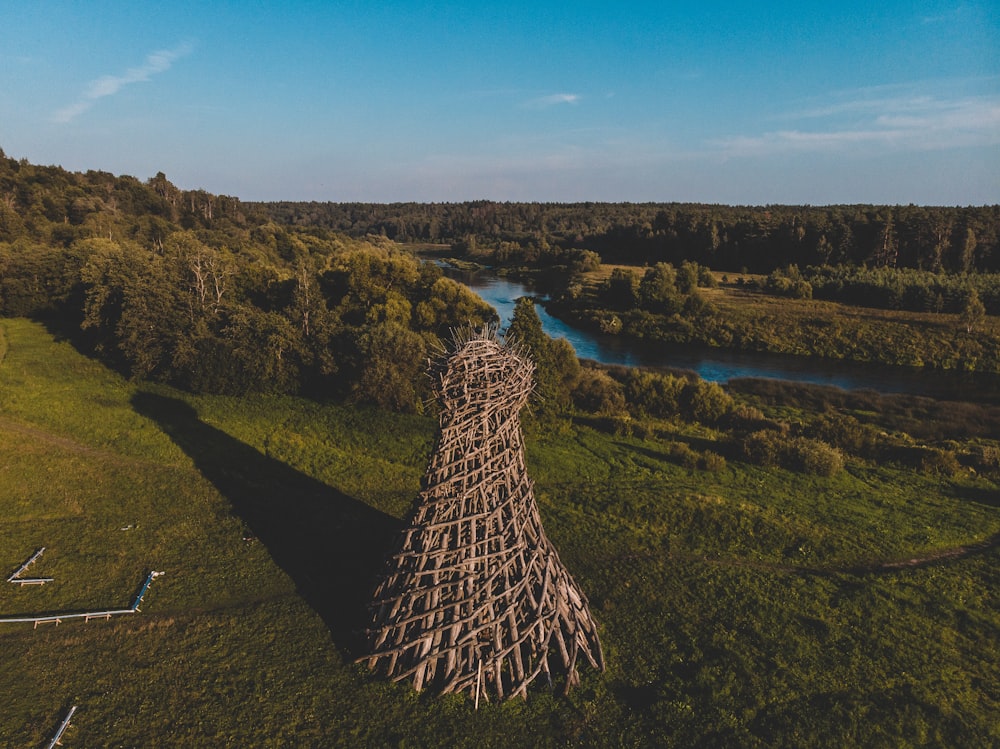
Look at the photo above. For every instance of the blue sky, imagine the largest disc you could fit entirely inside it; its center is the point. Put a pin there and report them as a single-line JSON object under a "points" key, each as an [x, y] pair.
{"points": [[733, 102]]}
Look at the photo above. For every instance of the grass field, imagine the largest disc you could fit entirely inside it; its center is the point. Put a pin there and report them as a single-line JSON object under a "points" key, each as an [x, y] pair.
{"points": [[745, 607]]}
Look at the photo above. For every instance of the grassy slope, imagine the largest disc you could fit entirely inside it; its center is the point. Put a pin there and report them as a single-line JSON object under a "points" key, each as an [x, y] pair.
{"points": [[728, 609]]}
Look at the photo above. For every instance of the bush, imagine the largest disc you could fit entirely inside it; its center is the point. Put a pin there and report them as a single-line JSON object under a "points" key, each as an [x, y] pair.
{"points": [[767, 447], [813, 456], [762, 447], [984, 457], [744, 416], [653, 393], [705, 402], [706, 279], [846, 433], [940, 462], [711, 461], [683, 454], [598, 392]]}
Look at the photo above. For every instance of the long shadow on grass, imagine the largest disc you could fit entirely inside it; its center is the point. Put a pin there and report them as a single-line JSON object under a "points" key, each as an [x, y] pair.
{"points": [[330, 544]]}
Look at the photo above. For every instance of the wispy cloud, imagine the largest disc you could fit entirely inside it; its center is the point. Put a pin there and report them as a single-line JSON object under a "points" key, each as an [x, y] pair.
{"points": [[947, 16], [552, 100], [109, 85], [914, 122]]}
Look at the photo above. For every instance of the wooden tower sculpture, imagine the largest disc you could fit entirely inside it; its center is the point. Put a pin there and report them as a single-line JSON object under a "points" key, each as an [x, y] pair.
{"points": [[476, 599]]}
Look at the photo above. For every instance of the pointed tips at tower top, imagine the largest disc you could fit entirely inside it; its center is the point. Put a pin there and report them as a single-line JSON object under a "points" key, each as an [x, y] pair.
{"points": [[466, 334], [479, 366]]}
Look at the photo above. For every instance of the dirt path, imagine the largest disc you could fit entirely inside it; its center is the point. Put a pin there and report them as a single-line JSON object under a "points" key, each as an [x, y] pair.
{"points": [[926, 560], [41, 435], [941, 556]]}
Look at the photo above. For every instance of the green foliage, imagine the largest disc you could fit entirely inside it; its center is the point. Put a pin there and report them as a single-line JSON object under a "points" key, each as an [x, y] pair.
{"points": [[394, 360], [653, 393], [557, 370], [196, 290], [788, 282], [620, 291], [911, 289], [658, 290], [687, 277], [938, 461], [768, 447], [846, 433], [705, 402], [973, 312], [597, 392], [744, 319], [525, 330], [663, 395], [813, 456]]}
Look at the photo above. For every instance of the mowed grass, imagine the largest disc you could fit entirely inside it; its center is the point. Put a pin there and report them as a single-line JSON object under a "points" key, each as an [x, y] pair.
{"points": [[740, 608]]}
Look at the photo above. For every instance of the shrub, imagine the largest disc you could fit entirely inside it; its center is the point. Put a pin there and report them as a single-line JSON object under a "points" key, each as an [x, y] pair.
{"points": [[762, 447], [984, 457], [683, 454], [744, 416], [598, 392], [706, 279], [653, 393], [941, 462], [610, 324], [845, 432], [767, 447], [711, 461], [813, 456], [705, 402]]}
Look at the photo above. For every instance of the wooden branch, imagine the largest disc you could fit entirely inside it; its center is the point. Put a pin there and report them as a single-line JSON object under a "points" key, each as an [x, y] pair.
{"points": [[476, 599]]}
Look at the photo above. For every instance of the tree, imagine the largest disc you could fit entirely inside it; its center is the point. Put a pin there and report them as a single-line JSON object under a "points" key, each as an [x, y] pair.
{"points": [[556, 365], [658, 290], [526, 330], [565, 371], [600, 393], [687, 277], [394, 359], [973, 312], [653, 393], [620, 291], [449, 304]]}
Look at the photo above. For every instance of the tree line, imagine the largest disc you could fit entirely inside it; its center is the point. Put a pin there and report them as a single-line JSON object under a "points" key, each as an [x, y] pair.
{"points": [[887, 288], [756, 239]]}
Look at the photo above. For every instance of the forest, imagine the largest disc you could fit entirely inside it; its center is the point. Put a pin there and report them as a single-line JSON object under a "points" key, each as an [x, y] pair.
{"points": [[200, 291], [725, 238]]}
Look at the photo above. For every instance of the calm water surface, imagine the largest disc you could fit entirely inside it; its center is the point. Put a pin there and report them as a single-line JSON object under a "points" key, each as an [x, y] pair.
{"points": [[720, 365]]}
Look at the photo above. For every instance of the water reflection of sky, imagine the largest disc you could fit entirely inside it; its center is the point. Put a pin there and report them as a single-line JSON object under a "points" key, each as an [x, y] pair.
{"points": [[722, 365]]}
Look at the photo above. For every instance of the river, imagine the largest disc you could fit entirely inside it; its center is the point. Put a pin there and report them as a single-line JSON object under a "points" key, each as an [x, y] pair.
{"points": [[722, 365]]}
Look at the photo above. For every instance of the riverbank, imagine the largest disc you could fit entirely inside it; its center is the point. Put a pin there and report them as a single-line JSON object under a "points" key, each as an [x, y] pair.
{"points": [[734, 317], [725, 364]]}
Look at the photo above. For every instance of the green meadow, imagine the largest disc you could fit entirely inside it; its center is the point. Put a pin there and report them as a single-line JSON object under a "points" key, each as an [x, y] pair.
{"points": [[739, 607]]}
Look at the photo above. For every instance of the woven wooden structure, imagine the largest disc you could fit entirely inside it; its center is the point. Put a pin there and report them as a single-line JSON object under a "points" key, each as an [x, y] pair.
{"points": [[476, 600]]}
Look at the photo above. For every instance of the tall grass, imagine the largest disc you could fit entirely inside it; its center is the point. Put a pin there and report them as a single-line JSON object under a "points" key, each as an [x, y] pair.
{"points": [[740, 607]]}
